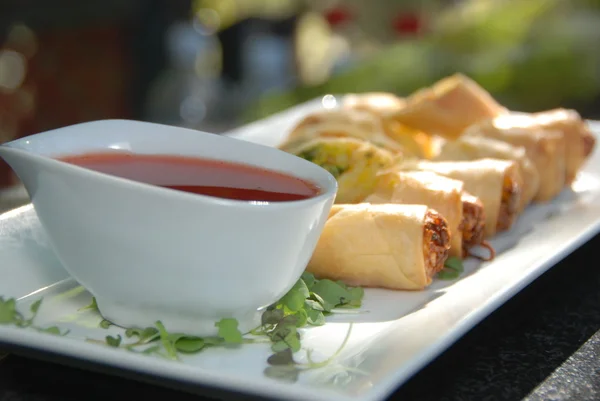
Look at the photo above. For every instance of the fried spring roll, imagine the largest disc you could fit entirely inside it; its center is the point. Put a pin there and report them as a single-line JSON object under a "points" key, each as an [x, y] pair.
{"points": [[399, 247], [580, 142], [472, 148], [414, 142], [443, 194], [497, 183], [354, 163], [545, 148], [340, 123], [448, 107]]}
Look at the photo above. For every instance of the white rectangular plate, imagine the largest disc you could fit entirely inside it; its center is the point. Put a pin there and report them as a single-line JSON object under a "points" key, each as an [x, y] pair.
{"points": [[395, 336]]}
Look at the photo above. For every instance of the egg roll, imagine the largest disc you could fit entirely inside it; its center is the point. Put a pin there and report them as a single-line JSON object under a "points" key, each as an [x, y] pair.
{"points": [[497, 183], [353, 162], [448, 107], [544, 147], [398, 247], [579, 141], [443, 194], [472, 148], [340, 123]]}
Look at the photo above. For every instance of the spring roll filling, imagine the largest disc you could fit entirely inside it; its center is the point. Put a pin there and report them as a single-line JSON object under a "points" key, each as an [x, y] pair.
{"points": [[436, 242], [509, 203], [473, 223]]}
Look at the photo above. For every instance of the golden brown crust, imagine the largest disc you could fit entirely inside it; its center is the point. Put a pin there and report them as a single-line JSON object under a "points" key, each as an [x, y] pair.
{"points": [[473, 223], [509, 204], [436, 242]]}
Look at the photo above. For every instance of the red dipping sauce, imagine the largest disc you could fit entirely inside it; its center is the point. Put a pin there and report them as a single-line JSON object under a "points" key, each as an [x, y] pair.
{"points": [[199, 176]]}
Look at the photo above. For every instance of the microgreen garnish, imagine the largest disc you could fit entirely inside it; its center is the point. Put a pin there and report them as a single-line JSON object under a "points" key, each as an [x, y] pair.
{"points": [[8, 312], [453, 268], [54, 330], [113, 341], [105, 324], [9, 315], [228, 331], [93, 306], [305, 304], [189, 344], [284, 367], [166, 340]]}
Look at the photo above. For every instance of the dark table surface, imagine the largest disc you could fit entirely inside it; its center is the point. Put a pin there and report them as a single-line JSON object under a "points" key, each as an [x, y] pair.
{"points": [[541, 345]]}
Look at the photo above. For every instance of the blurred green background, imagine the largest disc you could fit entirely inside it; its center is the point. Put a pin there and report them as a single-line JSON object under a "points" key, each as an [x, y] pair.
{"points": [[531, 55], [214, 65]]}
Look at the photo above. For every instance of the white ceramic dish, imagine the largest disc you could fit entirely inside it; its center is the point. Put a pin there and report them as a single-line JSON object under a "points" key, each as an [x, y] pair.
{"points": [[397, 335], [132, 244]]}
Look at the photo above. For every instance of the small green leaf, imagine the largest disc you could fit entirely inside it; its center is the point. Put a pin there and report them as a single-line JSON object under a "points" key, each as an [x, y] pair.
{"points": [[310, 304], [454, 263], [35, 306], [134, 331], [280, 332], [51, 330], [189, 345], [281, 358], [144, 335], [272, 316], [105, 324], [315, 317], [356, 296], [309, 279], [331, 293], [164, 338], [325, 306], [228, 331], [294, 299], [113, 341], [285, 373], [448, 274], [301, 318], [8, 311], [293, 340], [279, 346], [55, 330], [289, 320], [342, 284], [92, 306]]}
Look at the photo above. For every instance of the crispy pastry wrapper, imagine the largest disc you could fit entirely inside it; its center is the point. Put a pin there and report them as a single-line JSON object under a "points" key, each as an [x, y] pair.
{"points": [[448, 107], [486, 179], [382, 103], [424, 188], [544, 147], [414, 142], [353, 162], [384, 246], [473, 148], [340, 123], [579, 141]]}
